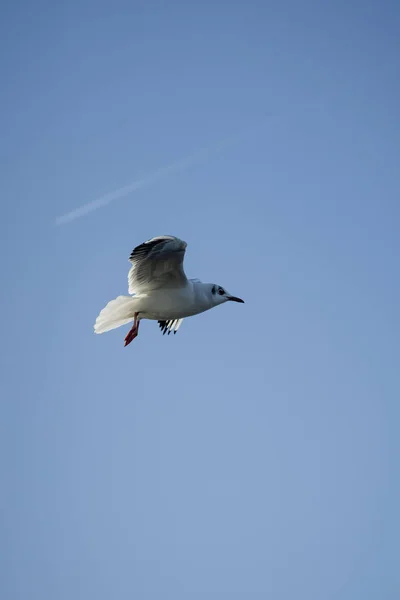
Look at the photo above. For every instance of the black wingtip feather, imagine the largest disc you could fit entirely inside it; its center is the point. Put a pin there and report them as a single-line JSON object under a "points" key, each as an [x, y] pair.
{"points": [[144, 249], [163, 325]]}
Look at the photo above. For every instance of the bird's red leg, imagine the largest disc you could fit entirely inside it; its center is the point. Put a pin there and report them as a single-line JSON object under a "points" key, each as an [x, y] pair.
{"points": [[133, 332]]}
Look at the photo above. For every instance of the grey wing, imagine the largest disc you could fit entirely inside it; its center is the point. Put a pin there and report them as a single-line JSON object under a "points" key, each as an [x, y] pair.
{"points": [[157, 263]]}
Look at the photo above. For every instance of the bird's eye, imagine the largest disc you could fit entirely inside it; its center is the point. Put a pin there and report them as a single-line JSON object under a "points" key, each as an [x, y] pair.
{"points": [[221, 292]]}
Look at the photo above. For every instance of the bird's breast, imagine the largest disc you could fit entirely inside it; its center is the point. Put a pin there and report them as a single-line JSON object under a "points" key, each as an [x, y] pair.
{"points": [[171, 304]]}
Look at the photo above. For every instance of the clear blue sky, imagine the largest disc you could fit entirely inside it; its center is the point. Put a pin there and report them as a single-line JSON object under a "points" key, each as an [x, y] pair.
{"points": [[255, 454]]}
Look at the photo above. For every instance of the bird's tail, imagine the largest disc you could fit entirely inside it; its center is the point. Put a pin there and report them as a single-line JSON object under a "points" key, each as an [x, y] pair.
{"points": [[117, 312]]}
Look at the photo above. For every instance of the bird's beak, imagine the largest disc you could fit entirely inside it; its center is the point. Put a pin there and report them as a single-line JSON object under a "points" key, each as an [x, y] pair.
{"points": [[235, 299]]}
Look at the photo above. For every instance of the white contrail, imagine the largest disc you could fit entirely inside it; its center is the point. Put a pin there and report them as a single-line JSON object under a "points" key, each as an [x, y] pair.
{"points": [[149, 179]]}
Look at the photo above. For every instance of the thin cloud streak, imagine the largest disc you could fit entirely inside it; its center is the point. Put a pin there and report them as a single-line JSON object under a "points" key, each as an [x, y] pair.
{"points": [[151, 178]]}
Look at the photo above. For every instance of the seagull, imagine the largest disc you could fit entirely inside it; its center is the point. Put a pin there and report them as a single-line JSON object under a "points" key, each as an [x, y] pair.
{"points": [[160, 291]]}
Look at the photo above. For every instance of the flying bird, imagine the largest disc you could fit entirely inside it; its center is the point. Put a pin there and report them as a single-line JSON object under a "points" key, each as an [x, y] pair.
{"points": [[160, 291]]}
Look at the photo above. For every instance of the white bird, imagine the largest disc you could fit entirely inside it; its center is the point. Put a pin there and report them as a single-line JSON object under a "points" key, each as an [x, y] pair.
{"points": [[160, 290]]}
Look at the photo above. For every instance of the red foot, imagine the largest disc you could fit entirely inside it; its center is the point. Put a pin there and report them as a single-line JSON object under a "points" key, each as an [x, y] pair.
{"points": [[131, 335]]}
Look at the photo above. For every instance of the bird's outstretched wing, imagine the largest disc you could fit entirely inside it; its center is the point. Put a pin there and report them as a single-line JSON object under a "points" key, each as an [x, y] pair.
{"points": [[157, 263], [168, 326]]}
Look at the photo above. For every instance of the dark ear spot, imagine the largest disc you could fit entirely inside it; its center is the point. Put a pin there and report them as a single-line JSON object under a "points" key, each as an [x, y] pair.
{"points": [[214, 289]]}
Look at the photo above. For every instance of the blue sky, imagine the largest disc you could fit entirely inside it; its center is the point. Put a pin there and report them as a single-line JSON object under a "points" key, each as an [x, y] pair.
{"points": [[254, 454]]}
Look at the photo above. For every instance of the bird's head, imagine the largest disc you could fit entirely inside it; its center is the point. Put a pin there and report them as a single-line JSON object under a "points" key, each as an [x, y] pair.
{"points": [[219, 295]]}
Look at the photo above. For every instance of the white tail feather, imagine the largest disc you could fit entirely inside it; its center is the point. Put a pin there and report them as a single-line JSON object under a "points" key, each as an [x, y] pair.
{"points": [[117, 312]]}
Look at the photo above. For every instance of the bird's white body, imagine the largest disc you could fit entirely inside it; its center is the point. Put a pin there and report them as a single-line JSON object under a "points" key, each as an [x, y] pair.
{"points": [[165, 304], [161, 290]]}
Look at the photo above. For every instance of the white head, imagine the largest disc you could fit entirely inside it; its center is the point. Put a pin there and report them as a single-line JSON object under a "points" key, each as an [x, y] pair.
{"points": [[219, 295]]}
